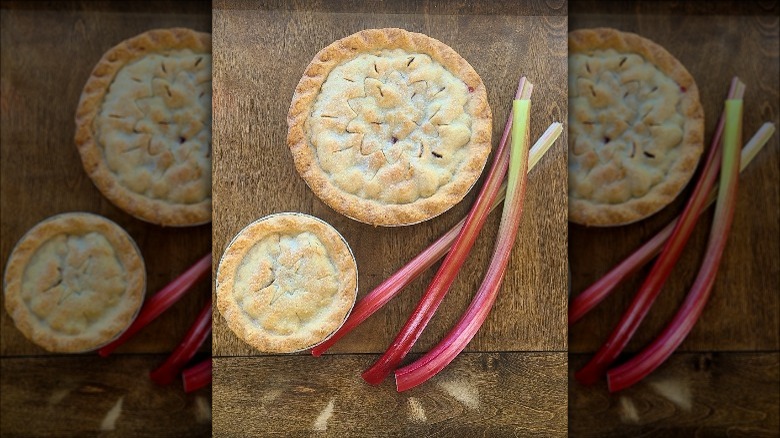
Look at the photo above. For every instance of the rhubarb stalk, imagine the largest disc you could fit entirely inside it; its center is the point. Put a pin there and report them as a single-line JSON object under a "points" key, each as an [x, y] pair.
{"points": [[662, 268], [197, 376], [662, 347], [448, 270], [161, 301], [167, 372], [394, 284], [598, 291], [456, 340]]}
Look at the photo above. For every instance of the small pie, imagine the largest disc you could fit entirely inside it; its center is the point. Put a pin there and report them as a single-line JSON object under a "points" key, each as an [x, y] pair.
{"points": [[143, 126], [389, 127], [636, 127], [286, 282], [74, 282]]}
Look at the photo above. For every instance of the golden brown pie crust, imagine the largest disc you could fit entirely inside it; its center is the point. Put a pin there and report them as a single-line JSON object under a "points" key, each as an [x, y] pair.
{"points": [[415, 201], [182, 195], [286, 282], [74, 282], [620, 167]]}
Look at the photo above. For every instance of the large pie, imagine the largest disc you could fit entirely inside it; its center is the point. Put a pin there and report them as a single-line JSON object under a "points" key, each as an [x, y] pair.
{"points": [[389, 127], [143, 126], [286, 282], [636, 127], [74, 282]]}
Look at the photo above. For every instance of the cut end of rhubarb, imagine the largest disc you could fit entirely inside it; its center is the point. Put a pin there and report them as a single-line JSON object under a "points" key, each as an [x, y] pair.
{"points": [[404, 383], [161, 378], [587, 376], [198, 376], [612, 385], [373, 377]]}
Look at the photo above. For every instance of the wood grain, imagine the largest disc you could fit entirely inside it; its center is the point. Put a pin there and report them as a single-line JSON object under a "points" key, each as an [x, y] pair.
{"points": [[480, 394], [693, 395], [71, 396], [584, 8], [434, 7], [744, 311], [259, 56]]}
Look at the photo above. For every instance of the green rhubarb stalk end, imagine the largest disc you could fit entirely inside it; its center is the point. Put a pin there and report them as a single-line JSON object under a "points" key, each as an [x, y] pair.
{"points": [[731, 140], [522, 112]]}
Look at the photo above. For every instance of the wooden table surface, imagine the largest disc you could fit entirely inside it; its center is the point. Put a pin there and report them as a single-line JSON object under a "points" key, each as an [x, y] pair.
{"points": [[725, 378], [511, 379], [48, 51]]}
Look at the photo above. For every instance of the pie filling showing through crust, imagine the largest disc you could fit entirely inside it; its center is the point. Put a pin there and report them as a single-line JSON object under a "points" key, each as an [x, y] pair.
{"points": [[636, 127], [390, 127], [144, 126], [286, 282], [74, 282]]}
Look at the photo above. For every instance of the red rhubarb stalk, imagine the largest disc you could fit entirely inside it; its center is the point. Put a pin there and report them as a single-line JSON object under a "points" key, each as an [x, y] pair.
{"points": [[598, 291], [200, 330], [456, 340], [409, 272], [593, 295], [449, 268], [655, 280], [394, 284], [161, 301], [197, 376], [662, 347]]}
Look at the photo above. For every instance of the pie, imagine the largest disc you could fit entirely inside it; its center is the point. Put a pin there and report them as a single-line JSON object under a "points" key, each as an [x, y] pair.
{"points": [[286, 282], [389, 127], [74, 282], [636, 127], [143, 126]]}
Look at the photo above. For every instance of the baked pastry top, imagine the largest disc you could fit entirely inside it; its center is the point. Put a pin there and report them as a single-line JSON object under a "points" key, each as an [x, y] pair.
{"points": [[389, 127], [636, 127], [143, 126], [74, 282], [286, 282]]}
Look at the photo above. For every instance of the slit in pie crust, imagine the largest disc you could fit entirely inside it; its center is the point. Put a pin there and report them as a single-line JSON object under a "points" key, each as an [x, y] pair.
{"points": [[286, 282], [143, 126], [74, 282], [636, 127], [389, 127]]}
